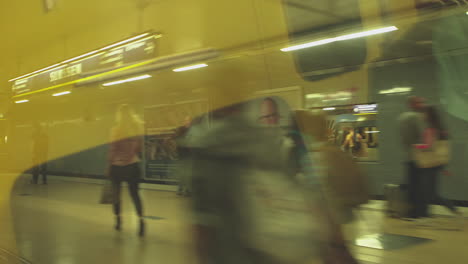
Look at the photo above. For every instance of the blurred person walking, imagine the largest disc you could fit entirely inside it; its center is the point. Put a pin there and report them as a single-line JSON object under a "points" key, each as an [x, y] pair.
{"points": [[40, 151], [348, 143], [184, 158], [411, 125], [345, 183], [124, 162], [249, 205], [433, 134], [361, 143]]}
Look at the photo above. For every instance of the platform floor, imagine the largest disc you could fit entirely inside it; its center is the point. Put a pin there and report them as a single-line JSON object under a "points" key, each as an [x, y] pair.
{"points": [[63, 223]]}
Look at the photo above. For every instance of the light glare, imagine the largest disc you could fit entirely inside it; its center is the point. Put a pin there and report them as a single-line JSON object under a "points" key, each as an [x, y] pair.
{"points": [[309, 44], [137, 78], [367, 33], [192, 67], [61, 93], [21, 101], [340, 38]]}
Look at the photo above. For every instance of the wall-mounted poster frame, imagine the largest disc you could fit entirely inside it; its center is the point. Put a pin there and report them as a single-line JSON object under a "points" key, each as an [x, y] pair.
{"points": [[161, 150]]}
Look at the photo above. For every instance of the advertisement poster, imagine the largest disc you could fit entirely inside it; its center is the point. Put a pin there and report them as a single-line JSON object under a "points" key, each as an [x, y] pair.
{"points": [[161, 124]]}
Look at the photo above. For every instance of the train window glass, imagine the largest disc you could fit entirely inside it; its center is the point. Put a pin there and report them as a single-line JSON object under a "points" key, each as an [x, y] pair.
{"points": [[353, 128], [311, 20]]}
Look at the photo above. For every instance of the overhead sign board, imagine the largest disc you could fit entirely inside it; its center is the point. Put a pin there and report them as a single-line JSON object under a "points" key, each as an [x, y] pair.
{"points": [[118, 56], [365, 109]]}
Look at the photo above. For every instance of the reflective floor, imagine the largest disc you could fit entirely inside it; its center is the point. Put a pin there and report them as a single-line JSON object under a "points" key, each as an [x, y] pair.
{"points": [[63, 223]]}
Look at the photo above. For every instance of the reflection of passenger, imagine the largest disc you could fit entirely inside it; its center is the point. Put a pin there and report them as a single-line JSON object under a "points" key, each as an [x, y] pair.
{"points": [[165, 149], [171, 148], [345, 187], [348, 143], [331, 135], [152, 149], [372, 138], [249, 208], [411, 131], [40, 150], [269, 112], [126, 144], [184, 162], [361, 147], [434, 132]]}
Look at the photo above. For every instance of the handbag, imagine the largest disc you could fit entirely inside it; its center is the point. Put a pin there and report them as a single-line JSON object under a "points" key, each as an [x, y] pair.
{"points": [[437, 155], [107, 193]]}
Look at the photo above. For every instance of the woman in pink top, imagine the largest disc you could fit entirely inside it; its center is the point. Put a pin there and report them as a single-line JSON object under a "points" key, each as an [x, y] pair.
{"points": [[125, 147], [434, 131]]}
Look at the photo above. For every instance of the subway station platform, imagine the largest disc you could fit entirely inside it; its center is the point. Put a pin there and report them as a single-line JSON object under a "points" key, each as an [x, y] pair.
{"points": [[63, 223]]}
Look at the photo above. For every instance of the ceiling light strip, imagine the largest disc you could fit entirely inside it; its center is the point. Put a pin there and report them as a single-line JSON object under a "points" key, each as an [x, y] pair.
{"points": [[62, 93], [340, 38], [192, 67], [137, 78]]}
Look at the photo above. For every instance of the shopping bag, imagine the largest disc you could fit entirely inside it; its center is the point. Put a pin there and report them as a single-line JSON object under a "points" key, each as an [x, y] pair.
{"points": [[437, 155], [107, 194]]}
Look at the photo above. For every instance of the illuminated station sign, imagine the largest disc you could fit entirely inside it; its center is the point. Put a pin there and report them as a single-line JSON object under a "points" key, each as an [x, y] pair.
{"points": [[120, 54], [365, 109]]}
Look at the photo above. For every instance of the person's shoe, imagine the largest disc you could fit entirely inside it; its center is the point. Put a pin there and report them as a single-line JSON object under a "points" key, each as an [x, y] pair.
{"points": [[141, 231], [118, 223]]}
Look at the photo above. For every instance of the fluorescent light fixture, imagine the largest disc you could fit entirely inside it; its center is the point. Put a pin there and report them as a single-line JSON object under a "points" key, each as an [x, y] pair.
{"points": [[61, 93], [21, 101], [343, 99], [340, 38], [366, 33], [337, 99], [329, 108], [192, 67], [158, 64], [396, 90], [313, 96], [137, 78], [372, 132], [85, 55], [309, 44]]}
